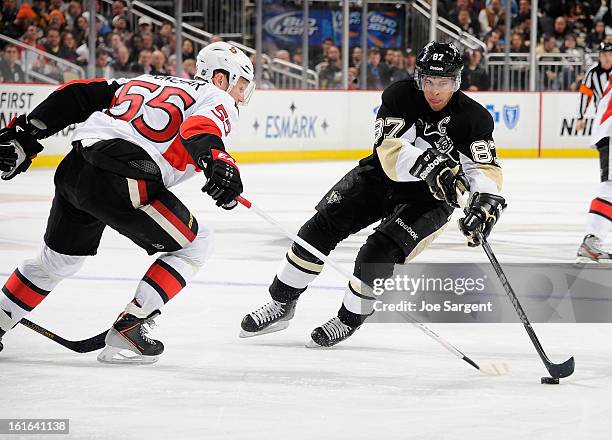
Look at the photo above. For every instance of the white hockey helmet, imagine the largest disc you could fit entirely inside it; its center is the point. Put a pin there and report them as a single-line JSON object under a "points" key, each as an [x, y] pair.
{"points": [[224, 56]]}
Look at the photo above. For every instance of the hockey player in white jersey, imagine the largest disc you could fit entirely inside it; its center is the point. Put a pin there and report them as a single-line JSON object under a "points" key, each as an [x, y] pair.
{"points": [[139, 137], [600, 212]]}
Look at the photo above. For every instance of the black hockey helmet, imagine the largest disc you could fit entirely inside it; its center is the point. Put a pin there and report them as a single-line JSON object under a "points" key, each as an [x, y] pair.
{"points": [[439, 59], [605, 47]]}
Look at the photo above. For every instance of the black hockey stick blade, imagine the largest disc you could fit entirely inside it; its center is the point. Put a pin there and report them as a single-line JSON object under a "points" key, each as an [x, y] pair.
{"points": [[84, 346], [555, 370], [565, 369]]}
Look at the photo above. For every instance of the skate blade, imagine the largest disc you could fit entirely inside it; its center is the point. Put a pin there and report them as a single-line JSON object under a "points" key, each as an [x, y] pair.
{"points": [[123, 356], [313, 344], [276, 327], [587, 260]]}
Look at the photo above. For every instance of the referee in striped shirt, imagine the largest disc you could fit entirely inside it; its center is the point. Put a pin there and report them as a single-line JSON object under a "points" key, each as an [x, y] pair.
{"points": [[595, 82], [600, 212]]}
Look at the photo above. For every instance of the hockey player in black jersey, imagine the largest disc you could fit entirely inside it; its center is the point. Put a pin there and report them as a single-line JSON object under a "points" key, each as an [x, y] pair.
{"points": [[432, 143]]}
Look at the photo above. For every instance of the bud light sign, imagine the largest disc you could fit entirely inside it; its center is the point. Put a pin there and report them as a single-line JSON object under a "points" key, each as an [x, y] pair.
{"points": [[283, 27]]}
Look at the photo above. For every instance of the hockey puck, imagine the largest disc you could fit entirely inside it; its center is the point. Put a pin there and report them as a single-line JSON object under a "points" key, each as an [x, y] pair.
{"points": [[550, 380]]}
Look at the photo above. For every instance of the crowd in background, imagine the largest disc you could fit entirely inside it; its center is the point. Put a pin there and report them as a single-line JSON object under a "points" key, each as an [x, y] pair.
{"points": [[60, 28]]}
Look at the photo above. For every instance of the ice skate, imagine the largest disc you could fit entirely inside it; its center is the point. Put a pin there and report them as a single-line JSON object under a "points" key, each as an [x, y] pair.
{"points": [[270, 318], [330, 333], [590, 251], [127, 341]]}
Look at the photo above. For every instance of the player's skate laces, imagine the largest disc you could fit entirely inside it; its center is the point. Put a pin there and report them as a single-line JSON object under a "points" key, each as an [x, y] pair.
{"points": [[271, 317], [590, 251], [128, 341], [330, 333]]}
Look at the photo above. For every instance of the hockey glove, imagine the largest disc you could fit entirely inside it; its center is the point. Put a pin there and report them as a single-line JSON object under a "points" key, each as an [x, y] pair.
{"points": [[18, 146], [481, 214], [224, 182], [444, 176]]}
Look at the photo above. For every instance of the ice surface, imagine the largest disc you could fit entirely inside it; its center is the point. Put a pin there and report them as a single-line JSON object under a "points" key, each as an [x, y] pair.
{"points": [[387, 381]]}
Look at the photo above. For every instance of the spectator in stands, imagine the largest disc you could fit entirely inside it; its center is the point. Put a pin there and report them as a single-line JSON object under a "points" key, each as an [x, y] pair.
{"points": [[474, 77], [52, 42], [578, 19], [318, 59], [158, 63], [215, 38], [10, 70], [524, 13], [135, 46], [143, 65], [386, 68], [399, 72], [73, 10], [492, 42], [68, 48], [188, 49], [491, 16], [410, 63], [571, 48], [121, 27], [145, 24], [147, 41], [466, 24], [596, 36], [56, 20], [57, 4], [330, 73], [189, 68], [40, 8], [549, 46], [9, 15], [283, 55], [356, 57], [453, 11], [118, 8], [164, 33], [517, 44], [103, 70], [121, 63], [25, 17], [374, 79], [80, 30], [297, 56], [560, 30]]}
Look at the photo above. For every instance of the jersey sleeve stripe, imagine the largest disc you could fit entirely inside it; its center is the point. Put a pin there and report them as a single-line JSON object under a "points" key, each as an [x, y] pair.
{"points": [[585, 90], [198, 124]]}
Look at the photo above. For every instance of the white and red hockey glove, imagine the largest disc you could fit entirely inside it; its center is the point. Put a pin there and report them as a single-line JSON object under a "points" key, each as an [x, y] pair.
{"points": [[224, 182]]}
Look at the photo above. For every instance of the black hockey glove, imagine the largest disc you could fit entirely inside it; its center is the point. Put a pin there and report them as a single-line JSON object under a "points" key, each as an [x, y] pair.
{"points": [[224, 182], [444, 176], [18, 146], [481, 214]]}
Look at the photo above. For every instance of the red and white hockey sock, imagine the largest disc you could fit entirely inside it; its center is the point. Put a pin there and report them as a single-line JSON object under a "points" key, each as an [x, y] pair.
{"points": [[33, 279], [600, 216], [164, 279]]}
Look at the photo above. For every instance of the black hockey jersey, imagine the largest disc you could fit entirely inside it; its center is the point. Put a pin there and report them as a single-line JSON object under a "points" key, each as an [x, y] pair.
{"points": [[406, 126]]}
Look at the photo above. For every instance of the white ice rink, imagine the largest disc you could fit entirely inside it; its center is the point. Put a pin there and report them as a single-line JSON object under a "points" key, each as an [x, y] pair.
{"points": [[388, 381]]}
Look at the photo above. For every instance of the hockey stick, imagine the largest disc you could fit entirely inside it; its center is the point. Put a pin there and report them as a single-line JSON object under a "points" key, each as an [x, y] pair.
{"points": [[556, 370], [493, 371], [84, 346]]}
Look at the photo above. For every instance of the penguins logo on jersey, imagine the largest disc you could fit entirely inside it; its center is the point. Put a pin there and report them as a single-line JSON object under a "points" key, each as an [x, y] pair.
{"points": [[435, 134]]}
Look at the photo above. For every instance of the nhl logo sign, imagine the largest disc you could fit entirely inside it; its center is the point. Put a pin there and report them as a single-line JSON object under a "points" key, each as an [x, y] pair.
{"points": [[511, 115]]}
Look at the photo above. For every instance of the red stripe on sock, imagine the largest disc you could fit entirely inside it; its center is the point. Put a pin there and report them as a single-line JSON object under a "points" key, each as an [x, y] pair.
{"points": [[602, 208], [22, 292], [164, 279], [178, 224]]}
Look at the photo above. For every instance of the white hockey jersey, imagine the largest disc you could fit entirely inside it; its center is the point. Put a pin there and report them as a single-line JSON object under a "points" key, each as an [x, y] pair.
{"points": [[154, 112]]}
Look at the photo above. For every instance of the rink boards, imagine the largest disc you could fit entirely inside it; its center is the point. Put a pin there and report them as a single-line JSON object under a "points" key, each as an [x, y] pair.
{"points": [[285, 125]]}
